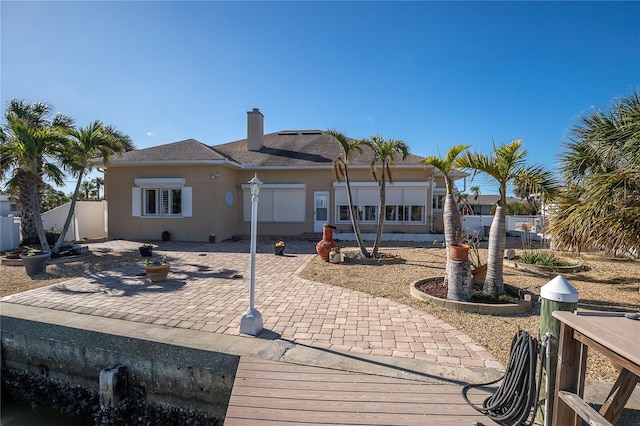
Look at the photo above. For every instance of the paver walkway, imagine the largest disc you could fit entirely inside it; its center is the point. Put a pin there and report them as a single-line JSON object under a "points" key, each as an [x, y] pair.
{"points": [[207, 290]]}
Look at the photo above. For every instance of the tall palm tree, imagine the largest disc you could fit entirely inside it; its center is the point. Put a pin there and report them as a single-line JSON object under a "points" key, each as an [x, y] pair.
{"points": [[475, 189], [86, 189], [35, 115], [451, 217], [26, 154], [384, 151], [599, 207], [98, 183], [340, 169], [507, 166], [86, 144]]}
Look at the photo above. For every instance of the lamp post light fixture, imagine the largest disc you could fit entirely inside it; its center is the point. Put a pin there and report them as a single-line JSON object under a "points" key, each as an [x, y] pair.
{"points": [[251, 322]]}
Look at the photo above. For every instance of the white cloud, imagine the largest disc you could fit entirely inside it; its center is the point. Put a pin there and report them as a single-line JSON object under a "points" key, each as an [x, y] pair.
{"points": [[150, 134]]}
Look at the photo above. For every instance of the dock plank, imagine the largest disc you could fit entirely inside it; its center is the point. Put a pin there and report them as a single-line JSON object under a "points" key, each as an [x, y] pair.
{"points": [[270, 393]]}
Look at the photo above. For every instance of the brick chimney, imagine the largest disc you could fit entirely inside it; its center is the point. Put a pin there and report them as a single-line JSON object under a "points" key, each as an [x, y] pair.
{"points": [[255, 130]]}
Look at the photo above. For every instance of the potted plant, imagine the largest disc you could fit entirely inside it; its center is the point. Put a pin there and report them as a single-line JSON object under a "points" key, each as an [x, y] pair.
{"points": [[166, 236], [35, 261], [52, 235], [478, 269], [157, 270], [146, 250], [278, 248]]}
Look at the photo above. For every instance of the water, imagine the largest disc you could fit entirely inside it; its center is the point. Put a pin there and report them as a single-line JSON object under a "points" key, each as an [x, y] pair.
{"points": [[15, 413]]}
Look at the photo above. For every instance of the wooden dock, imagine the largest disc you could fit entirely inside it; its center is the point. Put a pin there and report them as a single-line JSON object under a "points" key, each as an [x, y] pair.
{"points": [[277, 393]]}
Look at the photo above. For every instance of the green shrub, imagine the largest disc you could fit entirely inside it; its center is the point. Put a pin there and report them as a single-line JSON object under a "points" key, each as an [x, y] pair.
{"points": [[542, 258]]}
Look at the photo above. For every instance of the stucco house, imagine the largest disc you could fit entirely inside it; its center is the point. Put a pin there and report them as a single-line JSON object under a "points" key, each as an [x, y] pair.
{"points": [[194, 190]]}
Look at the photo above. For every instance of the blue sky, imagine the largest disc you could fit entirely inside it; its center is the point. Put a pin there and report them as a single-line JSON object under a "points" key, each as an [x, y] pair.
{"points": [[432, 74]]}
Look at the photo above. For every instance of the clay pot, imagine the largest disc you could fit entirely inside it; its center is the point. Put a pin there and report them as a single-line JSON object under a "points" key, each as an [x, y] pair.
{"points": [[479, 273], [325, 245], [459, 251], [157, 272]]}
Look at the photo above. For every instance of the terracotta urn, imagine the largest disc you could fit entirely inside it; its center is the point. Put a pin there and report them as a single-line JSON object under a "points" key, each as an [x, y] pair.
{"points": [[325, 245]]}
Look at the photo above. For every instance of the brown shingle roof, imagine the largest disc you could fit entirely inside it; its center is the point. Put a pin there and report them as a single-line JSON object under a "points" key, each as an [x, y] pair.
{"points": [[298, 148], [287, 148], [187, 150]]}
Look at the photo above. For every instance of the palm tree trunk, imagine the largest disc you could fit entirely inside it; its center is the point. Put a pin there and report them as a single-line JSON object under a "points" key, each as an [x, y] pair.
{"points": [[354, 218], [67, 222], [454, 271], [28, 232], [381, 215], [37, 213], [493, 283]]}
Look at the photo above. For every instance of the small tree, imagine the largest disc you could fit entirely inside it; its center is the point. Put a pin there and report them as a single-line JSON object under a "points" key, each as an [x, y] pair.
{"points": [[341, 171], [451, 218], [384, 151], [86, 144], [506, 165]]}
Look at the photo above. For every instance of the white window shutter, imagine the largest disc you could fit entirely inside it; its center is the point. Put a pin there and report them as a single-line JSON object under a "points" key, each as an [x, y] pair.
{"points": [[136, 202], [187, 202]]}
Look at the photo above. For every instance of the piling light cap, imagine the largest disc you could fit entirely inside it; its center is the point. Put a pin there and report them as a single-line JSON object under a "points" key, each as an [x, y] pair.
{"points": [[559, 290]]}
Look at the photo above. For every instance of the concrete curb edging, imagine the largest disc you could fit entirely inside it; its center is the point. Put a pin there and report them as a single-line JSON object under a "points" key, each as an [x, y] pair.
{"points": [[480, 308]]}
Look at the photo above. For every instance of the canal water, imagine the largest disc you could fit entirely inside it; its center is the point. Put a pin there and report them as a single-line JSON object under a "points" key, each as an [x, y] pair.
{"points": [[15, 413]]}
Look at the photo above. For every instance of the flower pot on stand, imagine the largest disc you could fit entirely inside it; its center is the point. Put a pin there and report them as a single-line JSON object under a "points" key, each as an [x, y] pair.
{"points": [[35, 263], [459, 251], [325, 245]]}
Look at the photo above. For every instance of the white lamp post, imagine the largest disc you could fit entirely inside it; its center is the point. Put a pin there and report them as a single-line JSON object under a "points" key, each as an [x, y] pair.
{"points": [[251, 322]]}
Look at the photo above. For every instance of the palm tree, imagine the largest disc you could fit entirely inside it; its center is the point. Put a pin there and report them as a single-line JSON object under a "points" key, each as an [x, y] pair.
{"points": [[385, 152], [86, 144], [476, 193], [599, 207], [507, 166], [340, 169], [451, 218], [86, 189], [36, 116], [25, 153], [98, 183]]}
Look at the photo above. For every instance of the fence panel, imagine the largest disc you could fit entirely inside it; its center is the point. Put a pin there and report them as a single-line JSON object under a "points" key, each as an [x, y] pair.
{"points": [[9, 232]]}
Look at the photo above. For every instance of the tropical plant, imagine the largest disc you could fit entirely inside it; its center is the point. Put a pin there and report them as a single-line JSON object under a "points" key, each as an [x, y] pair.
{"points": [[384, 152], [32, 146], [52, 198], [86, 189], [451, 219], [599, 205], [85, 145], [341, 171], [475, 189], [506, 165], [98, 183]]}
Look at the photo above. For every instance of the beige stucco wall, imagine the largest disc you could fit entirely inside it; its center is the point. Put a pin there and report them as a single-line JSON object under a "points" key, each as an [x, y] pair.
{"points": [[212, 215], [210, 212]]}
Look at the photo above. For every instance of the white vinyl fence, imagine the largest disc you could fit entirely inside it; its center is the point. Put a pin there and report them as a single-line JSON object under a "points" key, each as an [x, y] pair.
{"points": [[89, 222], [481, 224]]}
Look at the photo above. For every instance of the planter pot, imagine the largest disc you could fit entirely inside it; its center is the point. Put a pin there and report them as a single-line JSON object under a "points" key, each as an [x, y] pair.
{"points": [[479, 273], [36, 264], [52, 238], [459, 251], [212, 238], [278, 250], [166, 236], [146, 251], [157, 272]]}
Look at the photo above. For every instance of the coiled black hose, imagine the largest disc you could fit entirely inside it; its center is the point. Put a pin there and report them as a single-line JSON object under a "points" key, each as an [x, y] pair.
{"points": [[516, 400]]}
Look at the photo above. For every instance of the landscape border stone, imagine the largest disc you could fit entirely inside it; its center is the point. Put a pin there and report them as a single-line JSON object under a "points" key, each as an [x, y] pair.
{"points": [[472, 307]]}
